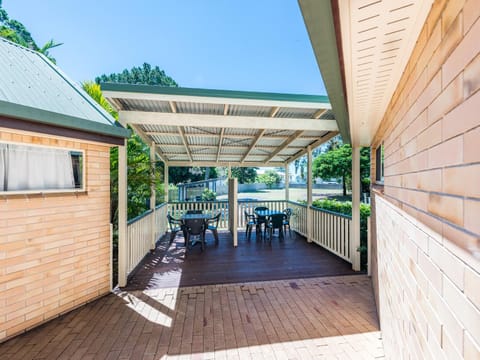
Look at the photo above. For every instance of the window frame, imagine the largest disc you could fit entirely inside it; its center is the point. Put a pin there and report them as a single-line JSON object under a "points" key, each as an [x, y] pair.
{"points": [[379, 164], [49, 191]]}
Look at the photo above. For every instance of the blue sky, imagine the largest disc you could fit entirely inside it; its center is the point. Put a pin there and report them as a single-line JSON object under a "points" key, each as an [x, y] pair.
{"points": [[258, 45]]}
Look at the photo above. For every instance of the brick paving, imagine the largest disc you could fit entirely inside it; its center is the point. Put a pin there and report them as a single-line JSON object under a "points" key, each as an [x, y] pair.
{"points": [[314, 318]]}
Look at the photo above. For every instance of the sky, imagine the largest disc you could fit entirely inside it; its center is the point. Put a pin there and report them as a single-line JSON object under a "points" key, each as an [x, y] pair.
{"points": [[255, 45]]}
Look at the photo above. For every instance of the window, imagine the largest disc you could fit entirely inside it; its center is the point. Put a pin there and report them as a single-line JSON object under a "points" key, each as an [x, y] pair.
{"points": [[379, 163], [25, 168]]}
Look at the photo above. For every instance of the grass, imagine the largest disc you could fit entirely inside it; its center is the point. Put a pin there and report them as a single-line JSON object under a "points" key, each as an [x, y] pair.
{"points": [[279, 194]]}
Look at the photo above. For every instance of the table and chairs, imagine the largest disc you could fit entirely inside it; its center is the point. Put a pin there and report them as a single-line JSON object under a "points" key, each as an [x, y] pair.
{"points": [[269, 220], [194, 225]]}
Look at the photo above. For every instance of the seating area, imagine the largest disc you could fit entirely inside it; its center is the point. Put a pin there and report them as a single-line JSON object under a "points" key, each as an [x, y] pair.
{"points": [[194, 225]]}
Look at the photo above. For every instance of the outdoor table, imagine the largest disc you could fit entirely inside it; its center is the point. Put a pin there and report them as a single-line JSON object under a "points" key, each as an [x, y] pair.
{"points": [[265, 213]]}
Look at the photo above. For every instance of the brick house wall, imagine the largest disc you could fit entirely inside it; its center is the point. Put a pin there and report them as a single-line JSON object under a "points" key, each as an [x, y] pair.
{"points": [[55, 248], [427, 212]]}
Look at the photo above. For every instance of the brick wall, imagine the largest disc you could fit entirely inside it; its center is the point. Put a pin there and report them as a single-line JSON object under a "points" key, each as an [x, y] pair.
{"points": [[427, 246], [54, 249]]}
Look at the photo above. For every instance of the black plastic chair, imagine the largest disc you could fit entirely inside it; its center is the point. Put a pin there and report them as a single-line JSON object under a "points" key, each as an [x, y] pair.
{"points": [[194, 228], [261, 220], [212, 225], [175, 225], [275, 221], [286, 222], [251, 221]]}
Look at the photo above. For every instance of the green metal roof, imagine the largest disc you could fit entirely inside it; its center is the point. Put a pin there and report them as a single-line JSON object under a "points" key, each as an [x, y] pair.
{"points": [[318, 18], [231, 94], [33, 88]]}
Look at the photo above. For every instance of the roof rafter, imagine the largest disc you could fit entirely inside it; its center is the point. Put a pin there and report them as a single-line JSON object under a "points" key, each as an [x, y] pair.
{"points": [[314, 145], [252, 145], [220, 139], [185, 142], [287, 142]]}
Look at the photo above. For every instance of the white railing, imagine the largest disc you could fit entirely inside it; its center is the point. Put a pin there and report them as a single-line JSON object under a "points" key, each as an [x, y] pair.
{"points": [[298, 221], [331, 231], [139, 234], [139, 239]]}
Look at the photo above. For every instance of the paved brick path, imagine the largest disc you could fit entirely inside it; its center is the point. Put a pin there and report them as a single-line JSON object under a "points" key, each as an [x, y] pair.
{"points": [[316, 318]]}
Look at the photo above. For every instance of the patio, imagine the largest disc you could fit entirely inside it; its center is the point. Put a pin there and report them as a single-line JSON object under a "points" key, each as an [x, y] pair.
{"points": [[255, 260], [326, 317]]}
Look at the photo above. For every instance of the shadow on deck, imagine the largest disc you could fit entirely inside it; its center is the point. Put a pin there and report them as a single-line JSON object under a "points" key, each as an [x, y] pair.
{"points": [[255, 260]]}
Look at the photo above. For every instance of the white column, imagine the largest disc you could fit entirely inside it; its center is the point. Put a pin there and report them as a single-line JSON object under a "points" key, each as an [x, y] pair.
{"points": [[229, 169], [153, 197], [355, 230], [165, 181], [309, 194], [287, 183], [122, 215]]}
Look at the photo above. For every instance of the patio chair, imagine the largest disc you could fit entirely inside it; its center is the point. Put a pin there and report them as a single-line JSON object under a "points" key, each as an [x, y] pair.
{"points": [[175, 226], [212, 225], [261, 220], [251, 221], [194, 228], [275, 221], [286, 222]]}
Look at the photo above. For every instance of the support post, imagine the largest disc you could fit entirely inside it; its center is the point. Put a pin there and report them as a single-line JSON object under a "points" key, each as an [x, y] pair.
{"points": [[229, 169], [122, 214], [355, 230], [165, 182], [287, 184], [309, 194], [153, 197]]}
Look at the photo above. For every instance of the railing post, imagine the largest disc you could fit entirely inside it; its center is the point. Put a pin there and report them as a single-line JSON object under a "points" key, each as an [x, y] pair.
{"points": [[309, 195], [369, 247], [355, 237], [287, 184], [122, 214], [153, 197]]}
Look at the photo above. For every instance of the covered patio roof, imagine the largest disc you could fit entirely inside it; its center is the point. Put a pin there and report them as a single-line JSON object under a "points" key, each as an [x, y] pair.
{"points": [[203, 127]]}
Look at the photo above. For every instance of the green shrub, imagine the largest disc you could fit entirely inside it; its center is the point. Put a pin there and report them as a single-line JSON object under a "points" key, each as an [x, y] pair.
{"points": [[208, 195]]}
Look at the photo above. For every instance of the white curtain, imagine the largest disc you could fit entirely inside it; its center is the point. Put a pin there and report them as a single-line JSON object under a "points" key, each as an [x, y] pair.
{"points": [[3, 166], [36, 168]]}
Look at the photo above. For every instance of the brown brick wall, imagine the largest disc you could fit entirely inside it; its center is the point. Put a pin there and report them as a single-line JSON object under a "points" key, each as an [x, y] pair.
{"points": [[431, 131], [55, 248], [428, 219]]}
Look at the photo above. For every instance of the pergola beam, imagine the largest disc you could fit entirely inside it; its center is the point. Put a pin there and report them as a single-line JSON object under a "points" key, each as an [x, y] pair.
{"points": [[224, 121], [319, 113], [314, 145], [193, 146], [147, 140], [181, 130], [252, 145], [285, 144], [220, 138]]}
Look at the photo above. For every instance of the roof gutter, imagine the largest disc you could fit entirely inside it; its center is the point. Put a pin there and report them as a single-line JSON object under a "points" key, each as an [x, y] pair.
{"points": [[13, 110]]}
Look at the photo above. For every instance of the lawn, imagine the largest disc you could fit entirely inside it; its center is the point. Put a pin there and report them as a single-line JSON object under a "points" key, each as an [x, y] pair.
{"points": [[279, 194]]}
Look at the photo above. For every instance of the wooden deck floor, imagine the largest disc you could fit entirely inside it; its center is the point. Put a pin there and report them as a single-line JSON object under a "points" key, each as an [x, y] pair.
{"points": [[254, 260]]}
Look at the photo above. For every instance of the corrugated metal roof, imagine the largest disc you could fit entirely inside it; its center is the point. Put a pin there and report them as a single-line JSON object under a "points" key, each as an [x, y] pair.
{"points": [[251, 129], [28, 79]]}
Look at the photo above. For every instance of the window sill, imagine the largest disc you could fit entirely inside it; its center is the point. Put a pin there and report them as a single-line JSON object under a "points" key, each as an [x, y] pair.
{"points": [[37, 193]]}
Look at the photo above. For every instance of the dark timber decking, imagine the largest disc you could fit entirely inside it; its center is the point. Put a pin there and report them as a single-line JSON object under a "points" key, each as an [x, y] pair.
{"points": [[254, 260]]}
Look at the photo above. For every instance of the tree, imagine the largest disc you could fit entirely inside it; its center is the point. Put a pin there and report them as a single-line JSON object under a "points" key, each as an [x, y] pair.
{"points": [[140, 170], [139, 75], [245, 175], [16, 32], [337, 163], [270, 178]]}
